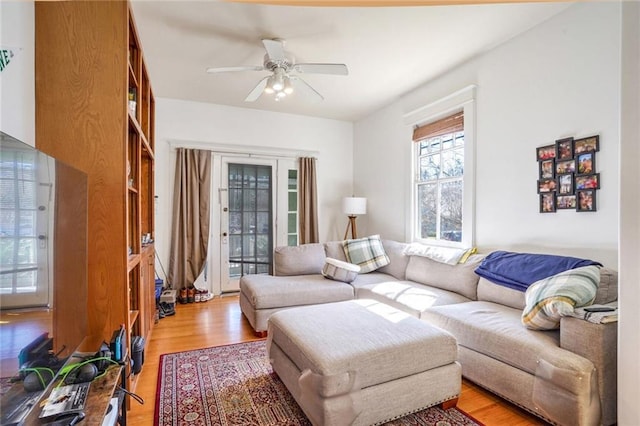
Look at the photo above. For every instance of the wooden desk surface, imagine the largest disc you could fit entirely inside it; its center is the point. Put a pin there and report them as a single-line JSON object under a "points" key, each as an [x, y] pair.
{"points": [[100, 394]]}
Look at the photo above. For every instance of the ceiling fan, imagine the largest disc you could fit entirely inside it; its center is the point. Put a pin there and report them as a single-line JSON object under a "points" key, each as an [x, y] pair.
{"points": [[284, 78]]}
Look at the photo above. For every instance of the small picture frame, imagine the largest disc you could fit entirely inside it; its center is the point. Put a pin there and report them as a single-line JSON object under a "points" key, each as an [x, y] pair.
{"points": [[565, 166], [565, 184], [586, 163], [547, 169], [546, 152], [547, 203], [566, 202], [546, 185], [587, 182], [586, 200], [564, 149], [589, 144]]}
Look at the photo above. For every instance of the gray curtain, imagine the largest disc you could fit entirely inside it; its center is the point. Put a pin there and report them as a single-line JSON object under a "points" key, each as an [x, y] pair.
{"points": [[307, 201], [190, 227]]}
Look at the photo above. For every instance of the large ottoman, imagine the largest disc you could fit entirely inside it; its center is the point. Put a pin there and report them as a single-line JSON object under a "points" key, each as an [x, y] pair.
{"points": [[362, 362]]}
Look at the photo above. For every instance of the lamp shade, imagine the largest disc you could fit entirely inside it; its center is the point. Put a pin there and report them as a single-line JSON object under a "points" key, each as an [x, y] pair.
{"points": [[353, 206]]}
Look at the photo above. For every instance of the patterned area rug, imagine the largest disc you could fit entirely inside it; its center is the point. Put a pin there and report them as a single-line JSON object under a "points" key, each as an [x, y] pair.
{"points": [[235, 385]]}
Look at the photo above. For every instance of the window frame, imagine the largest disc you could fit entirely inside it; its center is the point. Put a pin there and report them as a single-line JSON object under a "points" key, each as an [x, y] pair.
{"points": [[462, 100]]}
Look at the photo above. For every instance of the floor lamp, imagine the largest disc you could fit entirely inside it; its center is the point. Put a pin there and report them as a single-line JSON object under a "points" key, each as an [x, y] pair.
{"points": [[352, 207]]}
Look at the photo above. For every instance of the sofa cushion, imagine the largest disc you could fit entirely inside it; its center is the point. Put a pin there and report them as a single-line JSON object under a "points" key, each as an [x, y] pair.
{"points": [[298, 260], [398, 260], [366, 252], [459, 278], [556, 296], [340, 271], [492, 292], [608, 287], [495, 331], [335, 250], [267, 291], [408, 296]]}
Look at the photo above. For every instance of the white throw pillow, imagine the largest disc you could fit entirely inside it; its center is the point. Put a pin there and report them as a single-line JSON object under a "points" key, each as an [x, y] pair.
{"points": [[338, 270]]}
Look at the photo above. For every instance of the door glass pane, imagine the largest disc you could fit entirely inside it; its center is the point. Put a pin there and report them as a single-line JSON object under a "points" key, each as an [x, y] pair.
{"points": [[249, 198], [292, 208], [264, 225], [264, 178], [235, 222], [249, 223], [250, 220], [263, 200], [235, 199]]}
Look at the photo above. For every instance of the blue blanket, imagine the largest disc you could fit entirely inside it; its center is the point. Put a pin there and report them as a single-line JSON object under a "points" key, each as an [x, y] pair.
{"points": [[519, 270]]}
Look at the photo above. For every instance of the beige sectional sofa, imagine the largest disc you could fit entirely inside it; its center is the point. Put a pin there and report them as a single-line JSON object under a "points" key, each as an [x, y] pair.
{"points": [[565, 376]]}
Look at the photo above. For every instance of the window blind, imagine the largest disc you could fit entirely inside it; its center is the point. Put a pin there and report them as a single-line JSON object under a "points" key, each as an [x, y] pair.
{"points": [[450, 124]]}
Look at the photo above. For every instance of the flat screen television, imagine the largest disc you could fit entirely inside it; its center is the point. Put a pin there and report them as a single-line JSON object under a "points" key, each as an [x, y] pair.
{"points": [[43, 259]]}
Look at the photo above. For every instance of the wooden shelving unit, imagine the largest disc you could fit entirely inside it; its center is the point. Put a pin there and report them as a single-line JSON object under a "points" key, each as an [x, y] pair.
{"points": [[95, 110]]}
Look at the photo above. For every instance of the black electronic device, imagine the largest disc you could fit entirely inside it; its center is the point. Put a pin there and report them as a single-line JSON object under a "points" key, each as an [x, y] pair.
{"points": [[599, 309], [69, 419], [137, 353]]}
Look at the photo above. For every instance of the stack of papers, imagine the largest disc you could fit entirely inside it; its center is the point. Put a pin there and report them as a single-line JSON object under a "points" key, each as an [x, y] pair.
{"points": [[66, 399]]}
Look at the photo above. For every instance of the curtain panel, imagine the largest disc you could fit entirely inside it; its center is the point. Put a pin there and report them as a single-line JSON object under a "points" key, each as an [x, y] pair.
{"points": [[190, 224], [307, 201]]}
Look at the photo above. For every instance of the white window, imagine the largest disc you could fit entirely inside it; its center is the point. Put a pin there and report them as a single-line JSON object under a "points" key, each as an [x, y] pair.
{"points": [[442, 211], [439, 187]]}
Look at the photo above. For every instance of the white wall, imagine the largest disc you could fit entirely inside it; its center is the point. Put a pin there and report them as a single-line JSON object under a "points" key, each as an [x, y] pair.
{"points": [[17, 80], [629, 326], [331, 140], [559, 79]]}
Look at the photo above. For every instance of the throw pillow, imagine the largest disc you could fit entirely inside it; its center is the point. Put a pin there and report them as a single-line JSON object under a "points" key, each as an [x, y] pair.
{"points": [[549, 299], [368, 253], [338, 270]]}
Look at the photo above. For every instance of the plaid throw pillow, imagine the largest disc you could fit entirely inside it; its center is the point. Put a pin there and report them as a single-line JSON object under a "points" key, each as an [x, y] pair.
{"points": [[368, 253], [556, 296]]}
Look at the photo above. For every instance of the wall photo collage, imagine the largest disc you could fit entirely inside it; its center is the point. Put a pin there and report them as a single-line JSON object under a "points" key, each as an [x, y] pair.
{"points": [[567, 175]]}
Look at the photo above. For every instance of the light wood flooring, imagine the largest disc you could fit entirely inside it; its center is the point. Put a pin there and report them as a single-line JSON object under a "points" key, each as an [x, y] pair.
{"points": [[219, 322]]}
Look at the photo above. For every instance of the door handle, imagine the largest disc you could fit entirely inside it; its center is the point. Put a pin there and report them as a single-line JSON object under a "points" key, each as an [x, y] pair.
{"points": [[224, 234]]}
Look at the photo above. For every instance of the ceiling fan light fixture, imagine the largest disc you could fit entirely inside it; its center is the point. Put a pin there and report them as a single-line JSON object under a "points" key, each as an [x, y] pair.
{"points": [[288, 88], [278, 84], [269, 87]]}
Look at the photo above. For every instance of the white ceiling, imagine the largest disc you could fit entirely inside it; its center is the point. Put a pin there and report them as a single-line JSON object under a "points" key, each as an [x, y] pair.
{"points": [[388, 50]]}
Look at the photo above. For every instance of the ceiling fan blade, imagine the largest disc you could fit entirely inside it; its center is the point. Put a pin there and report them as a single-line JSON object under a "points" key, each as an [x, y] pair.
{"points": [[257, 91], [336, 69], [304, 87], [231, 69], [274, 48]]}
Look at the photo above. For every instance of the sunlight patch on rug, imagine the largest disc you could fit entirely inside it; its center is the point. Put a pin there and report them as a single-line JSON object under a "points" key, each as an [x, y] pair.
{"points": [[235, 385]]}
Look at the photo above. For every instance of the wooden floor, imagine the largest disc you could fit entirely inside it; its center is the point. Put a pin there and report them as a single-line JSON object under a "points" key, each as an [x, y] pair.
{"points": [[18, 328], [220, 322]]}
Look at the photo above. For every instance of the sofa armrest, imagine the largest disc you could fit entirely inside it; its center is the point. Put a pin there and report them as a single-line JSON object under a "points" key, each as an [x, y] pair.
{"points": [[598, 343]]}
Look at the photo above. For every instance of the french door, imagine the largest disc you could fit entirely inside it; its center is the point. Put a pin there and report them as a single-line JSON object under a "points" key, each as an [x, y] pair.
{"points": [[256, 207], [26, 211]]}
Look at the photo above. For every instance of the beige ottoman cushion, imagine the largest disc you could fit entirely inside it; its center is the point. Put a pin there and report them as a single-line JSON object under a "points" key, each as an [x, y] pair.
{"points": [[330, 355]]}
